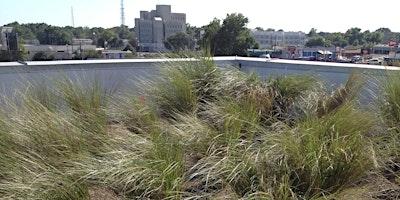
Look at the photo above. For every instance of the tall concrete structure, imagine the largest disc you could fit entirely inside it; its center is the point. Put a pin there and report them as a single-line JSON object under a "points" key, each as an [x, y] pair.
{"points": [[268, 39], [122, 13], [8, 39], [154, 27]]}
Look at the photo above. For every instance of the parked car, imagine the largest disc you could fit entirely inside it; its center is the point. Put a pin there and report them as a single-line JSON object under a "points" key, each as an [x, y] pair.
{"points": [[375, 61], [356, 59], [342, 59]]}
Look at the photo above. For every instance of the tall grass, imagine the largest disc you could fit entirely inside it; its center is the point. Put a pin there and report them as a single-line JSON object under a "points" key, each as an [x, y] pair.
{"points": [[197, 131], [43, 136], [327, 154], [389, 106], [150, 168], [176, 91]]}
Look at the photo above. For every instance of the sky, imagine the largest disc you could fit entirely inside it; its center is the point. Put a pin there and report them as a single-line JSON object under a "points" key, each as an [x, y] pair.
{"points": [[288, 15]]}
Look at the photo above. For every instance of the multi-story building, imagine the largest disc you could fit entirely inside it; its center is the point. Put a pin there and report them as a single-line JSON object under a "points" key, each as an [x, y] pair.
{"points": [[270, 39], [8, 39], [154, 27]]}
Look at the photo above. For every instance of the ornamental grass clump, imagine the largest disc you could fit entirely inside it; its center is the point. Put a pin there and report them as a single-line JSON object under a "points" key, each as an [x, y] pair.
{"points": [[195, 131], [389, 105], [182, 86], [390, 99], [43, 135], [327, 154], [138, 166]]}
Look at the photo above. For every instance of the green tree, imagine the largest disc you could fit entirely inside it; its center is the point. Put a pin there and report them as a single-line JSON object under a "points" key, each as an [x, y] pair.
{"points": [[316, 41], [233, 38], [387, 34], [42, 56], [374, 37], [179, 41], [53, 35], [354, 36], [210, 31], [123, 32], [312, 33], [92, 54], [129, 47], [355, 43], [95, 33], [337, 39], [24, 32], [256, 46], [193, 31], [109, 38]]}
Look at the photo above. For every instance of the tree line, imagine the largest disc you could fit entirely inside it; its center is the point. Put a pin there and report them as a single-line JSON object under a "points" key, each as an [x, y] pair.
{"points": [[352, 37], [226, 37], [55, 35], [231, 36]]}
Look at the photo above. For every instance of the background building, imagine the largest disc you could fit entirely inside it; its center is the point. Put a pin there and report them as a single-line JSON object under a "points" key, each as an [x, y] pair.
{"points": [[271, 39], [152, 28], [9, 39]]}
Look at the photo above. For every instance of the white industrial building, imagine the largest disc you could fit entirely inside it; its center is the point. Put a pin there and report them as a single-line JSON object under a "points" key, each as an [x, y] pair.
{"points": [[152, 28], [270, 39]]}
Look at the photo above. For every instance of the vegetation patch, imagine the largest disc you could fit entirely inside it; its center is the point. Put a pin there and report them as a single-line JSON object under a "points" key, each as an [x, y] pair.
{"points": [[198, 131]]}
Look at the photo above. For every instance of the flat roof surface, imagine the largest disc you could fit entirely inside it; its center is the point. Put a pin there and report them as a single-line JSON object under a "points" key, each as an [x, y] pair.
{"points": [[222, 58]]}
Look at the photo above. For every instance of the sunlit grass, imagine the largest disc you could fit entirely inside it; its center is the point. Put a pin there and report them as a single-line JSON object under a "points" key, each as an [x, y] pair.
{"points": [[330, 153], [196, 131]]}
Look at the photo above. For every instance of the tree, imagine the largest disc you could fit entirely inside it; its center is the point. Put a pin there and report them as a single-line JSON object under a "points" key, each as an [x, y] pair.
{"points": [[42, 56], [92, 54], [337, 39], [124, 33], [373, 37], [53, 35], [109, 38], [312, 33], [230, 38], [387, 34], [256, 46], [129, 47], [316, 41], [179, 41], [193, 31], [7, 56], [24, 32], [354, 36], [259, 28], [207, 41]]}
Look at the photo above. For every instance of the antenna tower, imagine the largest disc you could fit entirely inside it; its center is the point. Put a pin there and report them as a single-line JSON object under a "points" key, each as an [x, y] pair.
{"points": [[72, 16], [122, 13]]}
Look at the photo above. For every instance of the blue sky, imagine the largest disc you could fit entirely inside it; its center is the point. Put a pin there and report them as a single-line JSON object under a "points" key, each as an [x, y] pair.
{"points": [[289, 15]]}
